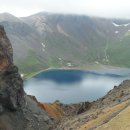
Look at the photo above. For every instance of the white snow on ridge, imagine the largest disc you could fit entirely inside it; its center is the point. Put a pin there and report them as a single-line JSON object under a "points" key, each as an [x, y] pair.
{"points": [[126, 24], [116, 25], [119, 25], [43, 45], [116, 32], [59, 58]]}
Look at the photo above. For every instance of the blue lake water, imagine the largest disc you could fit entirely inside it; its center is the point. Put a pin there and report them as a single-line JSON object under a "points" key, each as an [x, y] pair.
{"points": [[72, 86]]}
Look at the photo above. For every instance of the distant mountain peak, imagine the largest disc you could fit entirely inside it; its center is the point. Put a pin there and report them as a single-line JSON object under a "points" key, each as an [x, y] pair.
{"points": [[8, 17]]}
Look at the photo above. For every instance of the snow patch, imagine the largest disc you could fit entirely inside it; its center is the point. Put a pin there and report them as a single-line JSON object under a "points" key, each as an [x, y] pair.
{"points": [[120, 25], [116, 25], [43, 45], [59, 58], [116, 32], [126, 24]]}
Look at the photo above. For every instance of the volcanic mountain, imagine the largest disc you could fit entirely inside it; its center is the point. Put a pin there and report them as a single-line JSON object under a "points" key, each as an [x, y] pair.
{"points": [[46, 40]]}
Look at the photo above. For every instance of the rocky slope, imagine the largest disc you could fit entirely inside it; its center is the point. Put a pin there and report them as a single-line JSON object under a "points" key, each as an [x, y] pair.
{"points": [[107, 113], [17, 110], [56, 40]]}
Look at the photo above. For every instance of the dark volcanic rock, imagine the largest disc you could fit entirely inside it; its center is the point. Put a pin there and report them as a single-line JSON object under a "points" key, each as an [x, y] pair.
{"points": [[6, 51], [17, 110], [11, 89], [11, 84], [83, 107]]}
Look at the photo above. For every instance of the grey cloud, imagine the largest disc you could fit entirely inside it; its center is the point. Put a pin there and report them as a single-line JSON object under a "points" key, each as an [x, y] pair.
{"points": [[102, 8]]}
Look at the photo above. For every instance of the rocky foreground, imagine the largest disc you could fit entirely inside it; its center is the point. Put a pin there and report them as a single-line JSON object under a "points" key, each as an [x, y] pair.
{"points": [[19, 111], [111, 112]]}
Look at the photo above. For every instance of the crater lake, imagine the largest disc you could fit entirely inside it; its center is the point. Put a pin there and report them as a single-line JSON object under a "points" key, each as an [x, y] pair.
{"points": [[74, 86]]}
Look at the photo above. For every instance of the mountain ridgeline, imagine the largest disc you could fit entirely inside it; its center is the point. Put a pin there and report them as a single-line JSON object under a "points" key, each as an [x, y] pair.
{"points": [[48, 40]]}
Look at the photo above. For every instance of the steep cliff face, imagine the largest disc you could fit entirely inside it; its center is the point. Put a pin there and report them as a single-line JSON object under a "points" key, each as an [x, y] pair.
{"points": [[6, 51], [11, 84], [17, 110]]}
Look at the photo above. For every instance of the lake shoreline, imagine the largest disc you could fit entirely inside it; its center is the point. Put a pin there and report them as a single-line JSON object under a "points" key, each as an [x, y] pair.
{"points": [[102, 67], [74, 85]]}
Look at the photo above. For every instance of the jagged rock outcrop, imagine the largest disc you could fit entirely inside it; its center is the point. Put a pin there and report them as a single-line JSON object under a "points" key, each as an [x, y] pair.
{"points": [[11, 89], [6, 51], [17, 110], [11, 84]]}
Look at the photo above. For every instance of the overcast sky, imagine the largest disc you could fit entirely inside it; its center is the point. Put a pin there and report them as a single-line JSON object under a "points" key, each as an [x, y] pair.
{"points": [[102, 8]]}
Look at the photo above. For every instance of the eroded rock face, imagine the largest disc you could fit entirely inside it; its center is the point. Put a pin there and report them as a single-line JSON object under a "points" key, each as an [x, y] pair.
{"points": [[17, 110], [11, 84], [11, 89], [6, 51]]}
